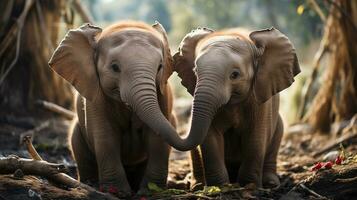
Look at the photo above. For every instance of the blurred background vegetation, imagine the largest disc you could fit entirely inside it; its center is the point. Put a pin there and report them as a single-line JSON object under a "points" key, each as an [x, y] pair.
{"points": [[44, 23], [295, 18]]}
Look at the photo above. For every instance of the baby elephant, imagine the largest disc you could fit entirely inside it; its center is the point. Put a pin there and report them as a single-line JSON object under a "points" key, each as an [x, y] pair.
{"points": [[235, 77], [121, 75]]}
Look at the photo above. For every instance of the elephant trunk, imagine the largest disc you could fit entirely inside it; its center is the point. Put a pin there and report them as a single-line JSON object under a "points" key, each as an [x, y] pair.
{"points": [[141, 95]]}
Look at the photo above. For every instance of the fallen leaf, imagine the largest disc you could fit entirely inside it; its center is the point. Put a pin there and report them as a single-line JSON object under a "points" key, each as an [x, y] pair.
{"points": [[154, 188]]}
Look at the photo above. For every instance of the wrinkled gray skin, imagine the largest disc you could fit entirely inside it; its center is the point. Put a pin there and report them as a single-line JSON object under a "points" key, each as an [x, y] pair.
{"points": [[121, 77], [236, 98]]}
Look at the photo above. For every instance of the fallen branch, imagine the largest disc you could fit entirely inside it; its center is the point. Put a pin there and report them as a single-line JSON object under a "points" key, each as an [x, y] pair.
{"points": [[189, 196], [30, 148], [311, 191], [52, 172], [10, 164], [57, 109], [336, 144]]}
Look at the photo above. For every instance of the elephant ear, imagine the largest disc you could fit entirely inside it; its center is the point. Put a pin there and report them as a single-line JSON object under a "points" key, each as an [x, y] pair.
{"points": [[277, 63], [167, 68], [74, 60], [184, 59]]}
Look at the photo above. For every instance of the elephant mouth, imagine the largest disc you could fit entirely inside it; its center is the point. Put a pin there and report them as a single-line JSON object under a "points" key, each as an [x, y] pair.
{"points": [[115, 92], [236, 97]]}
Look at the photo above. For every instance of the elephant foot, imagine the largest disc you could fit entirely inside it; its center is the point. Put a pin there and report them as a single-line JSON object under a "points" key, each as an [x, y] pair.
{"points": [[271, 180], [114, 190]]}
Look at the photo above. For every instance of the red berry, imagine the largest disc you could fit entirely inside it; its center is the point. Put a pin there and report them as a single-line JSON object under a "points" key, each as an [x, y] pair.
{"points": [[328, 165], [112, 190], [338, 160], [317, 166]]}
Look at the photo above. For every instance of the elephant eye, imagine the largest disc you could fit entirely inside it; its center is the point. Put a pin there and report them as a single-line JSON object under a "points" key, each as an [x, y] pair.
{"points": [[234, 75], [115, 67]]}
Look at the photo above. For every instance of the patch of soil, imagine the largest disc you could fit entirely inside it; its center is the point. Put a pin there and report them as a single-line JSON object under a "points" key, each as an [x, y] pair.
{"points": [[32, 188]]}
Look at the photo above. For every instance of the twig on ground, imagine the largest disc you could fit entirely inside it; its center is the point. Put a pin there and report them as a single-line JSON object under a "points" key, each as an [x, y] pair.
{"points": [[30, 148], [57, 109], [311, 191], [342, 140], [187, 196]]}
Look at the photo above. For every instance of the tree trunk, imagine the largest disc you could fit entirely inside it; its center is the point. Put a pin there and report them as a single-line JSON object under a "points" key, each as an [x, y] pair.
{"points": [[336, 100], [29, 31]]}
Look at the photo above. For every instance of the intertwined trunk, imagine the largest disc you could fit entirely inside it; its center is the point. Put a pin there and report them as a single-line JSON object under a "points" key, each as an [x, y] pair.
{"points": [[141, 94]]}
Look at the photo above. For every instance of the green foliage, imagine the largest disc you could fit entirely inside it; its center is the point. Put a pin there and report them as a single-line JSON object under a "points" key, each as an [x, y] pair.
{"points": [[210, 190], [159, 192], [181, 16], [154, 188]]}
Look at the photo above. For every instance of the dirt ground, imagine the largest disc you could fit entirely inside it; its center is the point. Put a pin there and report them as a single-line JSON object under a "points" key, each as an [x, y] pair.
{"points": [[295, 161]]}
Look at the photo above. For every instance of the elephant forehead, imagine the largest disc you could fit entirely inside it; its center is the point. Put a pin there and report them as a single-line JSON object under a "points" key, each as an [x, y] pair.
{"points": [[225, 42], [134, 36], [217, 57], [130, 25], [224, 50]]}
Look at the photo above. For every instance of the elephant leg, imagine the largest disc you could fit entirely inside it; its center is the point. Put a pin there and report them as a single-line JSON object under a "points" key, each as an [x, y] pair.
{"points": [[198, 171], [270, 178], [112, 176], [86, 165], [157, 164], [213, 158], [106, 141], [253, 154]]}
